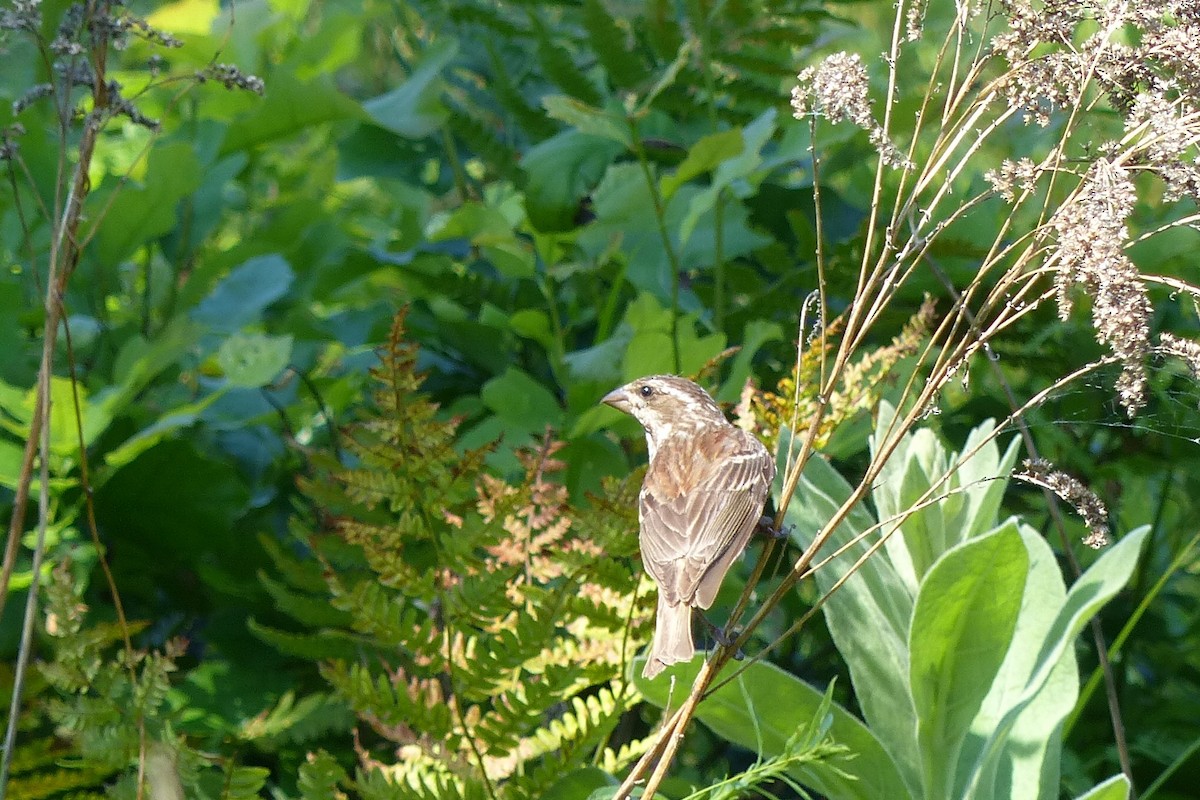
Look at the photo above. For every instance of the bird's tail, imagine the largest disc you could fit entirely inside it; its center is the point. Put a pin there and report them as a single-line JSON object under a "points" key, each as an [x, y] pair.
{"points": [[672, 637]]}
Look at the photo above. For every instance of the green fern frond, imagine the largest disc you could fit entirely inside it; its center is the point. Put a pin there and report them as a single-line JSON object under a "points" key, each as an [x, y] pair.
{"points": [[569, 739], [417, 780], [320, 777], [37, 771], [532, 120], [310, 609], [244, 783], [486, 16], [614, 761], [559, 67], [297, 722], [395, 701], [388, 619], [624, 66], [302, 574], [493, 619], [482, 139], [662, 29], [315, 646], [35, 786]]}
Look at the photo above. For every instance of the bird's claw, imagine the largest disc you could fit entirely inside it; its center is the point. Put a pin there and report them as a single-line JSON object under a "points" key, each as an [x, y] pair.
{"points": [[766, 526], [724, 638]]}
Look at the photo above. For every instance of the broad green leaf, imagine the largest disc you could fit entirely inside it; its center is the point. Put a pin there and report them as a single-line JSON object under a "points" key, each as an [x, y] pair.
{"points": [[95, 414], [253, 360], [602, 361], [868, 616], [511, 259], [580, 784], [652, 347], [737, 167], [533, 323], [1094, 588], [1115, 788], [520, 402], [332, 45], [1029, 766], [702, 157], [560, 172], [488, 227], [589, 120], [208, 206], [962, 625], [756, 334], [242, 296], [763, 706], [472, 221], [967, 497], [175, 508], [132, 214], [11, 457], [626, 213], [415, 109], [917, 463], [984, 476], [181, 417], [141, 360], [185, 16], [289, 108]]}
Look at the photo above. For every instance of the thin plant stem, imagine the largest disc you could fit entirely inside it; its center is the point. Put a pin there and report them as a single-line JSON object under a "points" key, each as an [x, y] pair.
{"points": [[29, 621], [660, 218]]}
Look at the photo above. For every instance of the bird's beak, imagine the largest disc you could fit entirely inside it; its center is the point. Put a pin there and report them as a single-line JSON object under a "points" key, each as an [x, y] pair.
{"points": [[618, 399]]}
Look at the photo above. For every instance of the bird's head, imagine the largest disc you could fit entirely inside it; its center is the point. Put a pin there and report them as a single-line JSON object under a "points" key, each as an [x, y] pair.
{"points": [[665, 404]]}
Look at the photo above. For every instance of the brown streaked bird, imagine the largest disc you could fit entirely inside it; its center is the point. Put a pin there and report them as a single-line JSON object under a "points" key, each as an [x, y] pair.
{"points": [[700, 501]]}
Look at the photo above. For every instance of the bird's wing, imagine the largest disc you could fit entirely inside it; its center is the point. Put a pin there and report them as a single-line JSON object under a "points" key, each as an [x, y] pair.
{"points": [[700, 509]]}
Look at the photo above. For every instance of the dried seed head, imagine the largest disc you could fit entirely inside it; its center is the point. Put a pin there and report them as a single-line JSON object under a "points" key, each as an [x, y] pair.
{"points": [[1085, 502], [1090, 253], [1184, 349], [837, 89]]}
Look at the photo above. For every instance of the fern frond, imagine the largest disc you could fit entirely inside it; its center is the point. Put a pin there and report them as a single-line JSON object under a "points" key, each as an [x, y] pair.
{"points": [[559, 67], [533, 121], [315, 646], [568, 740], [417, 779], [303, 608], [396, 704], [492, 617], [292, 721], [302, 574], [486, 16], [244, 783], [624, 66], [320, 777], [615, 761]]}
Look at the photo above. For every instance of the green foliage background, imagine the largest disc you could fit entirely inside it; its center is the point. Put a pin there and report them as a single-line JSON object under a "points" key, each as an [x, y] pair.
{"points": [[563, 196]]}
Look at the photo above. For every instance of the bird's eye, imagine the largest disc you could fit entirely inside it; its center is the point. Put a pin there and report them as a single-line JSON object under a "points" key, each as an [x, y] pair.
{"points": [[646, 391]]}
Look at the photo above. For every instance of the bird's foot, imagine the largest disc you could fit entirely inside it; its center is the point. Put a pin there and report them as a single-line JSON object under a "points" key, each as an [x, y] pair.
{"points": [[766, 526], [723, 637]]}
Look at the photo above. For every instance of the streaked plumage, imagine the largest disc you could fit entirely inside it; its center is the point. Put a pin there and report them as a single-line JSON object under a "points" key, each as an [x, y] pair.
{"points": [[701, 499]]}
